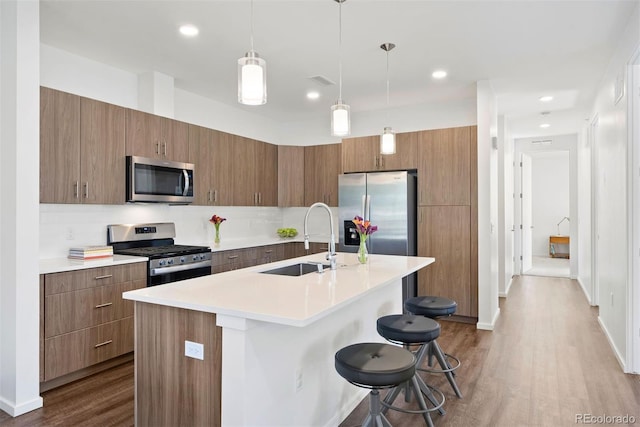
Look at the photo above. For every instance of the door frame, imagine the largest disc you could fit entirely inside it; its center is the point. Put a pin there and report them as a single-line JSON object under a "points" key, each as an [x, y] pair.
{"points": [[523, 197], [595, 286]]}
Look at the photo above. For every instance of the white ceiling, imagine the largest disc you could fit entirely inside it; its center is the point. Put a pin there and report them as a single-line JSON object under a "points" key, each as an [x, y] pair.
{"points": [[525, 48]]}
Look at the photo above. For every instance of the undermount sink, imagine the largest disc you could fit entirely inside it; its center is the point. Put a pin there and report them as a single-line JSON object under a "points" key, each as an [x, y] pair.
{"points": [[295, 269]]}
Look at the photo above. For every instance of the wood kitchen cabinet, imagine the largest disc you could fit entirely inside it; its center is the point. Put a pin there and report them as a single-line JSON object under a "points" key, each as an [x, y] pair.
{"points": [[59, 147], [85, 321], [81, 150], [210, 152], [444, 166], [290, 176], [157, 137], [255, 179], [444, 233], [362, 154], [322, 165]]}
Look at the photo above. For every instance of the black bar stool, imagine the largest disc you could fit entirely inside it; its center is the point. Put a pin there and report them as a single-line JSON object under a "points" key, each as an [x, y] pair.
{"points": [[375, 366], [433, 308], [407, 329]]}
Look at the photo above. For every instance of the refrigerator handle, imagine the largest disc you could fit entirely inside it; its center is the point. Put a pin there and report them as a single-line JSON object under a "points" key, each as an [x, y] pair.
{"points": [[367, 216], [363, 212]]}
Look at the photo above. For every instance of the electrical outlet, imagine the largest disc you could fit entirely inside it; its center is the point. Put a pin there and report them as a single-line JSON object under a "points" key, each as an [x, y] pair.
{"points": [[611, 299], [194, 349], [69, 234], [298, 382]]}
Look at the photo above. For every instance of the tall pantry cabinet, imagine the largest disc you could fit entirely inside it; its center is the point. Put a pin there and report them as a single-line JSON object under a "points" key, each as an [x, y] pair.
{"points": [[447, 215]]}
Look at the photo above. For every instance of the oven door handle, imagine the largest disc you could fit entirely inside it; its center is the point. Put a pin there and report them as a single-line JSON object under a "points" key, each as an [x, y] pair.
{"points": [[186, 182], [181, 267]]}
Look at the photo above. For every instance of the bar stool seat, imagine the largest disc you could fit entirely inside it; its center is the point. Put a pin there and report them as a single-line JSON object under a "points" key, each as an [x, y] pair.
{"points": [[434, 307], [375, 366], [407, 329]]}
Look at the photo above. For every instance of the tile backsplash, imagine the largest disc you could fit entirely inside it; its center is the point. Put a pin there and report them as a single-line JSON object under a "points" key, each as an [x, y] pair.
{"points": [[64, 226]]}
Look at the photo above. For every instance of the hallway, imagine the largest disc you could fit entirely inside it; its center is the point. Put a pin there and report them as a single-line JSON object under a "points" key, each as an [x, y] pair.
{"points": [[546, 362]]}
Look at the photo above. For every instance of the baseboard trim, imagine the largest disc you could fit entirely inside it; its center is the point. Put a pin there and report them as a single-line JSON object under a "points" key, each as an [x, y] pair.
{"points": [[506, 291], [617, 353], [489, 326], [584, 291], [347, 408], [17, 410]]}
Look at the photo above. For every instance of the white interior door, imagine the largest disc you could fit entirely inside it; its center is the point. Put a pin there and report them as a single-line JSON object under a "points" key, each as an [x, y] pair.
{"points": [[526, 212]]}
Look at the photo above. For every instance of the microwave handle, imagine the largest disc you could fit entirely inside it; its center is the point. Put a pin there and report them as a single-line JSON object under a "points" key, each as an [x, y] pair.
{"points": [[186, 182]]}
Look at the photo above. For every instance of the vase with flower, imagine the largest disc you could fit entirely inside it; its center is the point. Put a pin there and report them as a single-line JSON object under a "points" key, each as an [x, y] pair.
{"points": [[364, 229], [216, 221]]}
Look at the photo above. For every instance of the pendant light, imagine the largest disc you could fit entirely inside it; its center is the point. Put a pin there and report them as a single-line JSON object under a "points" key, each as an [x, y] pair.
{"points": [[340, 121], [252, 76], [388, 137]]}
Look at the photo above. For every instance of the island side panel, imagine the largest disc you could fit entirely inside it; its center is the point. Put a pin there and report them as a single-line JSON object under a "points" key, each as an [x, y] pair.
{"points": [[173, 389]]}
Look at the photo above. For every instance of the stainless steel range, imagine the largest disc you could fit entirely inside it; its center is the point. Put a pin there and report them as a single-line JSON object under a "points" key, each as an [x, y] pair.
{"points": [[168, 262]]}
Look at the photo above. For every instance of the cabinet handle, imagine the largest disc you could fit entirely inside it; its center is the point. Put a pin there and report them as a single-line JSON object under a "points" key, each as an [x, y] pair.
{"points": [[164, 151], [86, 190], [328, 199], [269, 251], [76, 190], [103, 343], [107, 304], [215, 196], [232, 256], [158, 148], [260, 198], [106, 276], [382, 162]]}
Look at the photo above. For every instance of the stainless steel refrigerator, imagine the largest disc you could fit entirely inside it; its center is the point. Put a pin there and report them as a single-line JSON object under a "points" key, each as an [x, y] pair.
{"points": [[388, 200]]}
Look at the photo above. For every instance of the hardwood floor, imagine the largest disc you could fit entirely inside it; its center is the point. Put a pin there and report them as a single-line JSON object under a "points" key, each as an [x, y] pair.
{"points": [[546, 361]]}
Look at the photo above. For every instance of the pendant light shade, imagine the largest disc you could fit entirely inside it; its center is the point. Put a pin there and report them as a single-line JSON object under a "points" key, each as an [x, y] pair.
{"points": [[388, 141], [252, 76], [388, 137], [340, 123], [340, 112], [252, 79]]}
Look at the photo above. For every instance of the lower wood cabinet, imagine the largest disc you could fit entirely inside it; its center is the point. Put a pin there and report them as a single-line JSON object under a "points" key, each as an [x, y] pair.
{"points": [[235, 259], [84, 319]]}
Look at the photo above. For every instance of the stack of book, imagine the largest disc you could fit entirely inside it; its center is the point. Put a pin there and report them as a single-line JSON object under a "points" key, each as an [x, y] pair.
{"points": [[90, 252]]}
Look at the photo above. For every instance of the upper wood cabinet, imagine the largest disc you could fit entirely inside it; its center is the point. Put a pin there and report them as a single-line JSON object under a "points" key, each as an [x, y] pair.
{"points": [[148, 135], [290, 176], [81, 150], [362, 154], [444, 166], [59, 147], [255, 179], [321, 169], [209, 151]]}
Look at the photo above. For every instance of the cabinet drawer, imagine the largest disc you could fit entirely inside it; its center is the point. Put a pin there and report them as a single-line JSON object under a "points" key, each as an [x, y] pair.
{"points": [[77, 350], [71, 311], [68, 281]]}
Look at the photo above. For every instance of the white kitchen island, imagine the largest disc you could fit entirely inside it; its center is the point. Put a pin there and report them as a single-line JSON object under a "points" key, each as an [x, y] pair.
{"points": [[268, 342]]}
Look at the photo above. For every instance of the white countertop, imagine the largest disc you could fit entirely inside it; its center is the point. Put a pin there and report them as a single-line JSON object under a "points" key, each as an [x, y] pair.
{"points": [[294, 301], [57, 265]]}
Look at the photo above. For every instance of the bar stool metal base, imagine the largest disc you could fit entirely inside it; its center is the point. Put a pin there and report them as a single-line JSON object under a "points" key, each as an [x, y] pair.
{"points": [[434, 350], [376, 417]]}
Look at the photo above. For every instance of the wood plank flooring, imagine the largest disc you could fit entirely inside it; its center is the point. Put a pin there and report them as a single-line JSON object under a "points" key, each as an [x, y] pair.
{"points": [[546, 361]]}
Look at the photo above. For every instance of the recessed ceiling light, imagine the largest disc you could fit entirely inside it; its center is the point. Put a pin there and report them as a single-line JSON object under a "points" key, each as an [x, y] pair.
{"points": [[189, 30], [545, 125], [439, 74], [313, 95], [546, 98]]}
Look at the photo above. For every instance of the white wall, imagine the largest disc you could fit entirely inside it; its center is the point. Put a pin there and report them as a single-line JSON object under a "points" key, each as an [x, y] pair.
{"points": [[19, 193], [488, 309], [550, 198], [611, 195]]}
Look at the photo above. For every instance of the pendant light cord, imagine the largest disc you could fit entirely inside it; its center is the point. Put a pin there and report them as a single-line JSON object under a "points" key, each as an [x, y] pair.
{"points": [[340, 52], [252, 25], [387, 87]]}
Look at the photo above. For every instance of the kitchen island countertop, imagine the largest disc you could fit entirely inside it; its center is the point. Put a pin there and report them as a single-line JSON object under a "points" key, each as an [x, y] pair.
{"points": [[294, 301]]}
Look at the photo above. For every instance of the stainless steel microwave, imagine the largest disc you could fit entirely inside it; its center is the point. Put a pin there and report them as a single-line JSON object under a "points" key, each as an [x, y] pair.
{"points": [[159, 181]]}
